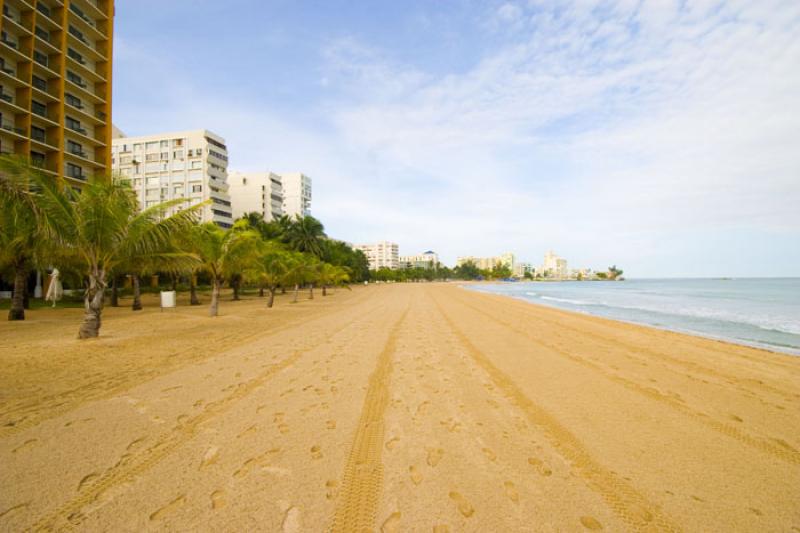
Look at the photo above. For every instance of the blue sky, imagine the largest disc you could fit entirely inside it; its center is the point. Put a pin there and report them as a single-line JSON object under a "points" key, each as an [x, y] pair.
{"points": [[660, 136]]}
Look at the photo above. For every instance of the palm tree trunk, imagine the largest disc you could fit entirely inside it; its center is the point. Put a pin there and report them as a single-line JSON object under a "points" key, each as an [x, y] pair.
{"points": [[114, 292], [271, 298], [261, 291], [175, 283], [235, 282], [93, 305], [193, 300], [213, 310], [296, 291], [137, 294], [324, 290], [311, 292], [17, 311]]}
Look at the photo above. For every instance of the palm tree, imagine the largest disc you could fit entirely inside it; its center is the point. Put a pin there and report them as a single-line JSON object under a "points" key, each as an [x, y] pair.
{"points": [[224, 253], [20, 237], [102, 225], [271, 269], [306, 234], [330, 275]]}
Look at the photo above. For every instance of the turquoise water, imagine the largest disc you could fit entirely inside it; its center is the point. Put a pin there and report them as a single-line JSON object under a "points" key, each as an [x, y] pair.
{"points": [[763, 312]]}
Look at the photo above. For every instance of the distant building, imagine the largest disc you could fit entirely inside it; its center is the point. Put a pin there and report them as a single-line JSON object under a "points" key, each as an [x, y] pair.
{"points": [[383, 254], [520, 269], [488, 263], [185, 164], [554, 266], [256, 192], [296, 194], [427, 259]]}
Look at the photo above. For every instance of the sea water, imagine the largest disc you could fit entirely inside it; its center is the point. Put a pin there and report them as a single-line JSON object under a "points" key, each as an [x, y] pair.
{"points": [[762, 312]]}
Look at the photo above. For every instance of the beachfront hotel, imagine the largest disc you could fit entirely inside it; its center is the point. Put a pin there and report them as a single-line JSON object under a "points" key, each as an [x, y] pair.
{"points": [[383, 254], [55, 84], [488, 263], [296, 194], [256, 192], [554, 266], [428, 260], [186, 164]]}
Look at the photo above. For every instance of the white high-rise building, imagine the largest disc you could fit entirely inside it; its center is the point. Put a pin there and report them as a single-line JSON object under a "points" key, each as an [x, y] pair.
{"points": [[186, 164], [554, 266], [296, 194], [382, 254], [256, 192], [427, 259], [488, 263]]}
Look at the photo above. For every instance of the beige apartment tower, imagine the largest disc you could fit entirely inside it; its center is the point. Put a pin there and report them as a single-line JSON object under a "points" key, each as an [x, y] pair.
{"points": [[55, 84]]}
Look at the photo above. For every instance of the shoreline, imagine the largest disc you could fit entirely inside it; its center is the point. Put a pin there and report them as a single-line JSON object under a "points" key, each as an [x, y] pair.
{"points": [[767, 347]]}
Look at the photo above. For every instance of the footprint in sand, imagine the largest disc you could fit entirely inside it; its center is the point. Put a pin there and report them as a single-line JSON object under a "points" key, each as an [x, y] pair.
{"points": [[464, 507], [25, 445], [87, 479], [423, 408], [218, 500], [316, 452], [332, 490], [248, 431], [291, 522], [283, 428], [330, 424], [391, 443], [591, 523], [511, 491], [434, 456], [539, 466], [391, 524], [416, 475], [490, 454], [210, 457], [167, 509]]}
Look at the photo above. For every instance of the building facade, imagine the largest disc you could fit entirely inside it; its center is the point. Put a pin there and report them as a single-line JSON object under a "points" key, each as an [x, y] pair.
{"points": [[55, 84], [256, 192], [187, 164], [427, 259], [296, 194], [488, 263], [554, 266], [383, 254]]}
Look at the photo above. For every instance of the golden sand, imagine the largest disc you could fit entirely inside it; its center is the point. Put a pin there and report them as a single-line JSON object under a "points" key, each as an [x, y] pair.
{"points": [[391, 408]]}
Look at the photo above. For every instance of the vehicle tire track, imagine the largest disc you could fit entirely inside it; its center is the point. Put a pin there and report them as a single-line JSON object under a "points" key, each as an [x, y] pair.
{"points": [[776, 448], [632, 507], [664, 357], [363, 474], [134, 464]]}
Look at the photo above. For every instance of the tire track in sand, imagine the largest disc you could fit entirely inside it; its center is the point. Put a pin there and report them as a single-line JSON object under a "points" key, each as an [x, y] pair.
{"points": [[132, 465], [632, 507], [777, 448], [363, 474]]}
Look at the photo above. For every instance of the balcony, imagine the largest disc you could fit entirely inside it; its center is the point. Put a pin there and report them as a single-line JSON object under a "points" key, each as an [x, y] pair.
{"points": [[7, 97], [15, 20], [46, 16], [12, 128], [79, 130]]}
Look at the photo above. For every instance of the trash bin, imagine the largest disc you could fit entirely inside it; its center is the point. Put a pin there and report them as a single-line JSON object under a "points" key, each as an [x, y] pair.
{"points": [[167, 299]]}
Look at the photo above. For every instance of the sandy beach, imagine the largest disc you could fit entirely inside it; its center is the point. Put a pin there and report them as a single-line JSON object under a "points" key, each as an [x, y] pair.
{"points": [[406, 407]]}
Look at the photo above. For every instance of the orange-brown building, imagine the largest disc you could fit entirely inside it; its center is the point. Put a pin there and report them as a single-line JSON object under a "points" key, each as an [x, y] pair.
{"points": [[55, 84]]}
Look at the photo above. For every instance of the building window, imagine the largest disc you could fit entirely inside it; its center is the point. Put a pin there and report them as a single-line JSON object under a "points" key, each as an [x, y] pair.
{"points": [[177, 143], [197, 188], [164, 155], [74, 171]]}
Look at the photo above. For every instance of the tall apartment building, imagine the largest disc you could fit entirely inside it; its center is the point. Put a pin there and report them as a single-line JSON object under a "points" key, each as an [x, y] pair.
{"points": [[382, 254], [488, 263], [259, 192], [55, 84], [427, 259], [187, 164], [296, 194], [554, 266]]}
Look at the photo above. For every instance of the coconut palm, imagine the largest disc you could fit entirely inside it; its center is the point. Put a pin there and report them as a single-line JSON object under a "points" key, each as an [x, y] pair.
{"points": [[103, 226], [21, 240], [330, 275], [305, 234], [224, 253], [271, 269]]}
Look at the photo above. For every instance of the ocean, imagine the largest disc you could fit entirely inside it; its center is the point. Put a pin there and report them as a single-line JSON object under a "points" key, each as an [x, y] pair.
{"points": [[761, 312]]}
